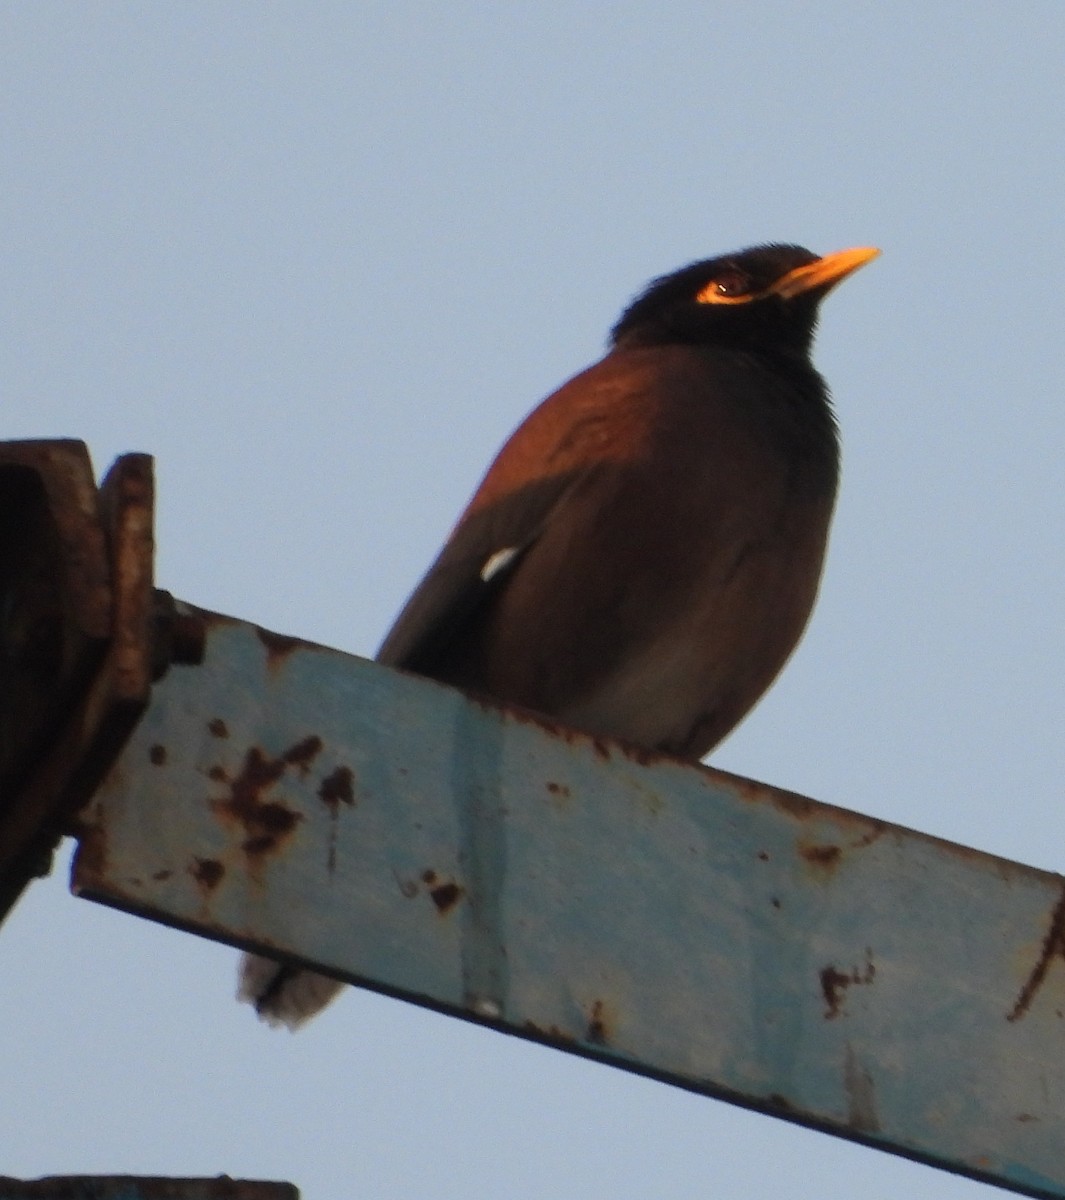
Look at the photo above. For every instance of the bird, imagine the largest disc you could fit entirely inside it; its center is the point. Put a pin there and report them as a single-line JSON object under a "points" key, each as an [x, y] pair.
{"points": [[644, 553]]}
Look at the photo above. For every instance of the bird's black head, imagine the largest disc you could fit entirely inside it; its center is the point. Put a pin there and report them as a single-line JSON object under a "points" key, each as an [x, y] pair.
{"points": [[764, 300]]}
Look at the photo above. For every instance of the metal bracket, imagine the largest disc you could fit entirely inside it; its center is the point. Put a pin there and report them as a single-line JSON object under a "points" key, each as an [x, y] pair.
{"points": [[142, 1187], [82, 634]]}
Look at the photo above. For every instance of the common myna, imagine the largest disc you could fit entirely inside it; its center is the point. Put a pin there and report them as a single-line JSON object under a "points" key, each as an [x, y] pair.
{"points": [[644, 552]]}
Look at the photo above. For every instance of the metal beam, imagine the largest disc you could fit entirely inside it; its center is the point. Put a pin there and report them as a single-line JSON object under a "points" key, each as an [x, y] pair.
{"points": [[706, 930], [142, 1187]]}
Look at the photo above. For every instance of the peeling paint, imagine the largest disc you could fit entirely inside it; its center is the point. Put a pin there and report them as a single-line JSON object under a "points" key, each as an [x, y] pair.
{"points": [[834, 984], [267, 823]]}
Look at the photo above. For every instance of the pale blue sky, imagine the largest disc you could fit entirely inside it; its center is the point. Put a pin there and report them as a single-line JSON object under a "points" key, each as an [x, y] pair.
{"points": [[319, 259]]}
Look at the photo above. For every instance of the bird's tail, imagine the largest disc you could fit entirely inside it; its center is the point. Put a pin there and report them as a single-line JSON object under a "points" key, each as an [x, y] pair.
{"points": [[283, 995]]}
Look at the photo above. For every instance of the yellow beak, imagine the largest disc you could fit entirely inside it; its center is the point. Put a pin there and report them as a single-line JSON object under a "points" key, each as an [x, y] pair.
{"points": [[826, 272]]}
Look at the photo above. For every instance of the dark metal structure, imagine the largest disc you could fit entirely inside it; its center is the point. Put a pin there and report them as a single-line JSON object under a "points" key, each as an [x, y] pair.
{"points": [[142, 1187]]}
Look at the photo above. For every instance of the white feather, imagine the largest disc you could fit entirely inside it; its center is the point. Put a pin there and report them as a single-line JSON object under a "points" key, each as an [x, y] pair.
{"points": [[499, 562]]}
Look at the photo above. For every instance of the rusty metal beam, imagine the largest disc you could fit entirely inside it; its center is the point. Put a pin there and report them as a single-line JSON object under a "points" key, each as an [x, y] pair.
{"points": [[142, 1187], [711, 932]]}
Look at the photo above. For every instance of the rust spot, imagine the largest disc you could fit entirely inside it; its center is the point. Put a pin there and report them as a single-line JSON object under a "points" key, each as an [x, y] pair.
{"points": [[604, 748], [162, 876], [260, 843], [1024, 1118], [337, 788], [266, 822], [303, 753], [789, 802], [91, 860], [278, 646], [834, 984], [559, 789], [869, 838], [778, 1101], [801, 808], [775, 902], [218, 774], [642, 756], [445, 893], [207, 872], [826, 856], [157, 755], [216, 727], [445, 896], [759, 793], [763, 856], [597, 1033], [1053, 946]]}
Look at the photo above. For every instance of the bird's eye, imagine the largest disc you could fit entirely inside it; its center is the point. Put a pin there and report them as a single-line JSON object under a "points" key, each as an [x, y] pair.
{"points": [[731, 283], [728, 285]]}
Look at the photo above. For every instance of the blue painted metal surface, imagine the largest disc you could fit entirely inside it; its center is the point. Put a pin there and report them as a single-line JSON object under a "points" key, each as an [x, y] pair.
{"points": [[707, 930]]}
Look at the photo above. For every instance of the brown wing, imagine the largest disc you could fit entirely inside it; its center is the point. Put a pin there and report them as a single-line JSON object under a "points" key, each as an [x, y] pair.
{"points": [[470, 570]]}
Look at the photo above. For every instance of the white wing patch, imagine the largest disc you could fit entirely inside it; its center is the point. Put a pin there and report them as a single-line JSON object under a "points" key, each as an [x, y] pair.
{"points": [[499, 562]]}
